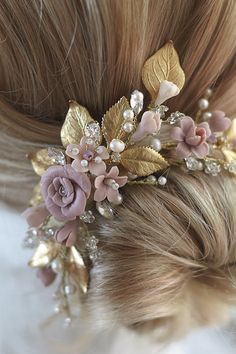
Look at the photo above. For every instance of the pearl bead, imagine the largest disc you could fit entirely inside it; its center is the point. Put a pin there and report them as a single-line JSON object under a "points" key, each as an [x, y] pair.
{"points": [[119, 200], [128, 114], [117, 145], [128, 127], [208, 92], [67, 321], [206, 115], [56, 266], [98, 159], [84, 163], [156, 144], [151, 178], [203, 103], [57, 309], [162, 180], [200, 166], [69, 289]]}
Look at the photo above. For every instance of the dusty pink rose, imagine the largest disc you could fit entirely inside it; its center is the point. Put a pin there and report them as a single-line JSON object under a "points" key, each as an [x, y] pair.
{"points": [[67, 234], [35, 216], [192, 138], [65, 191], [219, 122], [150, 124], [46, 275], [107, 185], [88, 157], [167, 90]]}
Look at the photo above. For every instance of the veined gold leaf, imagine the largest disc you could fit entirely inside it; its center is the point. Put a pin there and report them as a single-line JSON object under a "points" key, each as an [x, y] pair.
{"points": [[40, 161], [142, 160], [79, 270], [113, 120], [74, 125], [163, 65], [37, 197], [44, 254]]}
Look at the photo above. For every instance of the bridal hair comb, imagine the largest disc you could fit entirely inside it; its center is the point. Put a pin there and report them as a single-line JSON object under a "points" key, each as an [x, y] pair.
{"points": [[85, 175]]}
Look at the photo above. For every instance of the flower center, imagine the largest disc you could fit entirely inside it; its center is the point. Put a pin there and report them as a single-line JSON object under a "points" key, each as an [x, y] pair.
{"points": [[88, 155], [62, 191]]}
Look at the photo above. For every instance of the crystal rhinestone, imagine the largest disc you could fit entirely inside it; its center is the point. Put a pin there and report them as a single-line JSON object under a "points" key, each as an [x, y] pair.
{"points": [[232, 167], [92, 130], [136, 101], [115, 157], [69, 289], [212, 168], [104, 208], [117, 145], [175, 117], [203, 103], [128, 114], [192, 164], [151, 178], [49, 232], [162, 180], [128, 127], [57, 155], [91, 243], [31, 240], [155, 144], [162, 110], [87, 217], [93, 256]]}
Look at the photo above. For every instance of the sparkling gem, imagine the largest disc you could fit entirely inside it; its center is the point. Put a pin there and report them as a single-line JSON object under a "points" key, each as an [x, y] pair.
{"points": [[92, 130], [162, 180], [93, 256], [155, 144], [175, 117], [128, 127], [128, 114], [136, 101], [203, 103], [192, 164], [162, 110], [104, 208], [151, 178], [84, 163], [115, 157], [212, 167], [117, 145], [87, 217], [49, 232], [57, 155], [91, 243]]}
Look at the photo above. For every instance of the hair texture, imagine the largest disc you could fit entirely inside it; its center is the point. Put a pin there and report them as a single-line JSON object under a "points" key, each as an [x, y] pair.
{"points": [[168, 258]]}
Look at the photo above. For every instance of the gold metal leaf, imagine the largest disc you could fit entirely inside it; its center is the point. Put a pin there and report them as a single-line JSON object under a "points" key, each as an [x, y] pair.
{"points": [[40, 161], [142, 160], [231, 132], [79, 271], [74, 125], [229, 155], [113, 120], [45, 253], [37, 197], [163, 65]]}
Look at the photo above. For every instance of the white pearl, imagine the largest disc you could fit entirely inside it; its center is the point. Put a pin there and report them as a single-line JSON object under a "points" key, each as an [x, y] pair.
{"points": [[208, 92], [56, 266], [156, 144], [69, 289], [151, 178], [128, 114], [119, 199], [57, 309], [162, 180], [206, 115], [128, 127], [117, 145], [84, 163], [67, 321], [203, 103], [98, 159], [200, 165]]}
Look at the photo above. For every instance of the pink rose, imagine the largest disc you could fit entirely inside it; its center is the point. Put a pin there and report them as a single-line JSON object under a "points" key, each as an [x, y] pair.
{"points": [[192, 138], [67, 234], [65, 192], [107, 185], [150, 124], [219, 122]]}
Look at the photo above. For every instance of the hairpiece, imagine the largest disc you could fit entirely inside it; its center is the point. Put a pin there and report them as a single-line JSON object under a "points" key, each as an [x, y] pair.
{"points": [[85, 175]]}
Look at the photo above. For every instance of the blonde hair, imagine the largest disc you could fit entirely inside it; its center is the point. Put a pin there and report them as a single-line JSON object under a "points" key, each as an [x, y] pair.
{"points": [[168, 258]]}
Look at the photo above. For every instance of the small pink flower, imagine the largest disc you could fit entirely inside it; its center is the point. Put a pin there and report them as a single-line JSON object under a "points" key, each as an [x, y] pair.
{"points": [[167, 90], [46, 275], [67, 234], [107, 185], [192, 138], [88, 157], [35, 216], [219, 122], [65, 192], [150, 124]]}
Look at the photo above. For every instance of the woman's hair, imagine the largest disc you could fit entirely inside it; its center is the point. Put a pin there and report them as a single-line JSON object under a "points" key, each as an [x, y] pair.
{"points": [[167, 259]]}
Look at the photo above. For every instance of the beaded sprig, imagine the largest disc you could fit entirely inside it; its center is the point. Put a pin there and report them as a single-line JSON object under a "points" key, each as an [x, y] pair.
{"points": [[84, 176]]}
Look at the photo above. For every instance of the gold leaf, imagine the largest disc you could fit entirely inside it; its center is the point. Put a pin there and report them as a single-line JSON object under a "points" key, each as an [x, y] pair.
{"points": [[37, 197], [113, 120], [163, 65], [74, 125], [40, 161], [45, 253], [231, 132], [142, 160], [79, 271], [229, 155]]}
